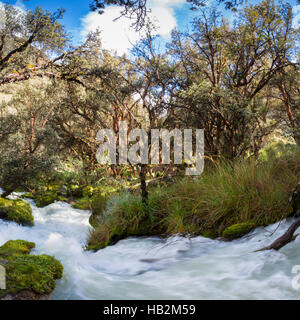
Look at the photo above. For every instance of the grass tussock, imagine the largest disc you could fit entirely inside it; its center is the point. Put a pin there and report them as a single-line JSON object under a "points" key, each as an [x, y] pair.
{"points": [[248, 191]]}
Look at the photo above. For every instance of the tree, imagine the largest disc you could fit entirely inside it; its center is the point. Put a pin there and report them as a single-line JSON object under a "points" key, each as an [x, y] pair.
{"points": [[102, 96], [31, 147], [153, 86], [27, 40], [223, 71], [287, 88]]}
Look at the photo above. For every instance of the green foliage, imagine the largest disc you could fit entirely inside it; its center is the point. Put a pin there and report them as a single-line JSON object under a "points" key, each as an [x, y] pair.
{"points": [[226, 83], [29, 150], [16, 210], [19, 30], [274, 151], [36, 273]]}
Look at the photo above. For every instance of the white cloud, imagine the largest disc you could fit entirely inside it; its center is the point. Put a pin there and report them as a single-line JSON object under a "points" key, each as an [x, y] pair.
{"points": [[118, 35], [20, 5], [296, 12]]}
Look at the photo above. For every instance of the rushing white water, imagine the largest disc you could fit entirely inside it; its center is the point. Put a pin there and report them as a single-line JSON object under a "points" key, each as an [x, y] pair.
{"points": [[176, 268]]}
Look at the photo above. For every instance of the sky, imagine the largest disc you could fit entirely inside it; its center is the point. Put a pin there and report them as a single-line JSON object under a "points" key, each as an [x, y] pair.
{"points": [[117, 35]]}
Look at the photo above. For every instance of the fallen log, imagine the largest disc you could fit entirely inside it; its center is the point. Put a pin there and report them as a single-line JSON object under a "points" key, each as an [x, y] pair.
{"points": [[286, 238]]}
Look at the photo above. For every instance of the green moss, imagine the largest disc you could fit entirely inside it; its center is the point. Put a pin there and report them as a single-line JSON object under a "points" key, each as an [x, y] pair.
{"points": [[237, 230], [28, 195], [88, 191], [89, 200], [81, 196], [82, 204], [16, 247], [36, 273], [212, 234], [16, 210], [119, 232], [43, 200], [48, 197], [53, 187]]}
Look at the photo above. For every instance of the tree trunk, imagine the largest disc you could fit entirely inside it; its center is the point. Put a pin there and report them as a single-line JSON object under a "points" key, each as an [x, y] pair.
{"points": [[297, 139], [143, 183]]}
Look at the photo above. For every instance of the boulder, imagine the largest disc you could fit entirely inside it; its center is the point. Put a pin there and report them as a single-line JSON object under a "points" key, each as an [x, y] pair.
{"points": [[28, 277], [48, 197], [237, 230], [16, 210]]}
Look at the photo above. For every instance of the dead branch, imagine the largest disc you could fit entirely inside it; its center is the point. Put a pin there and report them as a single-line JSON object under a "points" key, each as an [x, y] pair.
{"points": [[286, 238]]}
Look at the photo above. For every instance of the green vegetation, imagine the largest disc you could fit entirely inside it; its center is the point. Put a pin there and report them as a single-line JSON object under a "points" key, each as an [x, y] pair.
{"points": [[24, 272], [228, 200], [16, 210]]}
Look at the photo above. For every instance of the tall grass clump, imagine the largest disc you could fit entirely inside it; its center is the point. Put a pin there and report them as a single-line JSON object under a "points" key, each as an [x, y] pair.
{"points": [[249, 192]]}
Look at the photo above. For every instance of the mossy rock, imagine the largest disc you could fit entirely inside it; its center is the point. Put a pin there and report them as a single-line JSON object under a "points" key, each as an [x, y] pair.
{"points": [[103, 237], [16, 210], [35, 274], [70, 193], [48, 197], [237, 230], [82, 204], [16, 247], [89, 197], [212, 234], [28, 195]]}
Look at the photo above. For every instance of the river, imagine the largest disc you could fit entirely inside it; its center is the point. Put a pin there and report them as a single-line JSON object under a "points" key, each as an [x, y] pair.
{"points": [[154, 268]]}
